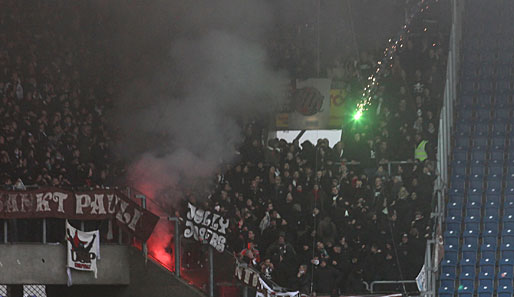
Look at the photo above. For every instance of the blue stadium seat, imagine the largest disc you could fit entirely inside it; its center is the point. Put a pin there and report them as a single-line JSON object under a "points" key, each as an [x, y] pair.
{"points": [[486, 272], [471, 246], [494, 177], [455, 202], [450, 258], [507, 246], [448, 283], [474, 204], [451, 244], [477, 191], [491, 227], [491, 204], [509, 202], [505, 290], [453, 226], [507, 230], [493, 191], [485, 286], [504, 282], [488, 247], [498, 143], [508, 215], [446, 290], [506, 271], [467, 273], [466, 288], [493, 198], [495, 162], [469, 258], [448, 273], [456, 192]]}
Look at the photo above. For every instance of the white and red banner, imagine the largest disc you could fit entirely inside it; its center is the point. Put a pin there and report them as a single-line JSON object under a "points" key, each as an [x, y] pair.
{"points": [[79, 205], [83, 249]]}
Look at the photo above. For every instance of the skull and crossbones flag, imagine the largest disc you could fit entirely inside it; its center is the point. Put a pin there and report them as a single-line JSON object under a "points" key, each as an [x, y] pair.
{"points": [[83, 250]]}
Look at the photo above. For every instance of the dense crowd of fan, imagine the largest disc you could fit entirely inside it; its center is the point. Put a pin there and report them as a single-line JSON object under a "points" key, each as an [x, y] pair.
{"points": [[300, 212], [327, 218], [53, 97]]}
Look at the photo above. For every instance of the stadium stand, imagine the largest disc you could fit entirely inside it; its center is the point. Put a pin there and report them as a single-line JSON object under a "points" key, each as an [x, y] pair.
{"points": [[479, 207], [335, 209]]}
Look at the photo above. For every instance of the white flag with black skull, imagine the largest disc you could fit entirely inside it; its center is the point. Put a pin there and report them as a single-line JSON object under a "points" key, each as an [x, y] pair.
{"points": [[83, 249]]}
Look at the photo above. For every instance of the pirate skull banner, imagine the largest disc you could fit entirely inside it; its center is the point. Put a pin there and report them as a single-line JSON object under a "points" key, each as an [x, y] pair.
{"points": [[83, 249]]}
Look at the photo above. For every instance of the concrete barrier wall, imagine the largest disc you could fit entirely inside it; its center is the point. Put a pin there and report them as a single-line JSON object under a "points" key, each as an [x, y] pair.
{"points": [[46, 264], [146, 279]]}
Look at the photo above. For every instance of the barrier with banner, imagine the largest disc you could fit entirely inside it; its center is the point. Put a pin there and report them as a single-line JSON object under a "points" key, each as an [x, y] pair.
{"points": [[251, 278], [206, 226], [79, 205], [83, 250]]}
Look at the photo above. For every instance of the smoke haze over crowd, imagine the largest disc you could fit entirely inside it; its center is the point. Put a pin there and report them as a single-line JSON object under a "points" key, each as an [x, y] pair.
{"points": [[185, 121]]}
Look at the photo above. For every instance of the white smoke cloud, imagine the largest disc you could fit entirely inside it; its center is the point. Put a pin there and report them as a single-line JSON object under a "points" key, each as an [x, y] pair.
{"points": [[185, 119]]}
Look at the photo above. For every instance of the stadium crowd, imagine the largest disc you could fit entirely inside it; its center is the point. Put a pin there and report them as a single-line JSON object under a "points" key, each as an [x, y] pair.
{"points": [[53, 95], [315, 217], [305, 212]]}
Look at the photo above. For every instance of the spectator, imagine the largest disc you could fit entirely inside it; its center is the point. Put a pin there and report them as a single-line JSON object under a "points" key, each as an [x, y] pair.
{"points": [[326, 279], [301, 281]]}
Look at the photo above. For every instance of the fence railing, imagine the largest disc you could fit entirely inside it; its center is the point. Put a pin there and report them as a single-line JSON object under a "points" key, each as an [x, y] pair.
{"points": [[372, 285], [444, 146]]}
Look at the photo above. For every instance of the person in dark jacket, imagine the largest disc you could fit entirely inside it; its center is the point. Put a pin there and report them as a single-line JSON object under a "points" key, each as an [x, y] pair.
{"points": [[301, 281], [326, 279]]}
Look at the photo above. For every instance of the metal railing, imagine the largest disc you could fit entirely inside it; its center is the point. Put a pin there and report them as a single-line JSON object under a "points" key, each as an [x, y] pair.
{"points": [[397, 282], [444, 146], [389, 164]]}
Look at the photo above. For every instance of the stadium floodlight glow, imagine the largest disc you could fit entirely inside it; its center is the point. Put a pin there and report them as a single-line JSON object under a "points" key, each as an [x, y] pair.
{"points": [[357, 115]]}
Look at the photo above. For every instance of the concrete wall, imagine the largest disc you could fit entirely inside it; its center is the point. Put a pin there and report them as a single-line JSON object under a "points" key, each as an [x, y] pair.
{"points": [[148, 280], [122, 272], [46, 264]]}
